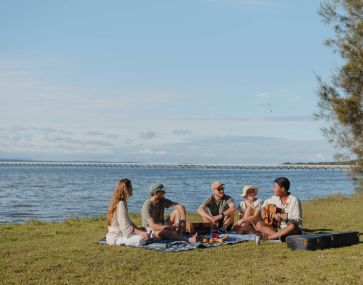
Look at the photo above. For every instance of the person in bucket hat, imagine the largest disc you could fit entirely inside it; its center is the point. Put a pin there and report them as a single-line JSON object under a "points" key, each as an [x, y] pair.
{"points": [[249, 210], [152, 216]]}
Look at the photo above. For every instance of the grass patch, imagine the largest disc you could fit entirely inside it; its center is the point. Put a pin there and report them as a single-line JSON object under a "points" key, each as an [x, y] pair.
{"points": [[66, 253]]}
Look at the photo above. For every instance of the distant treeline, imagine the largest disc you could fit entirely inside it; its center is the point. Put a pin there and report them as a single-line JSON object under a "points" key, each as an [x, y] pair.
{"points": [[351, 162]]}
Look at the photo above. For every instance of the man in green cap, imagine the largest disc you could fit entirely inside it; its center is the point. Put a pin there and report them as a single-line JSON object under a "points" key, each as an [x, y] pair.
{"points": [[218, 209], [152, 216]]}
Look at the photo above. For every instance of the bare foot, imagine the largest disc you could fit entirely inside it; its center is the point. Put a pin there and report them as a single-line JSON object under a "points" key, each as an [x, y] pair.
{"points": [[264, 236], [193, 238]]}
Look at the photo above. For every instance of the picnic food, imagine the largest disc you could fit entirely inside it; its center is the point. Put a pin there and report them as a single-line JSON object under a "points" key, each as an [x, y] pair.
{"points": [[205, 239], [213, 240]]}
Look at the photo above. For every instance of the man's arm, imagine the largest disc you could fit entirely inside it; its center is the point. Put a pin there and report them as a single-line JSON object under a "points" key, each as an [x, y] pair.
{"points": [[204, 214], [296, 214], [156, 227], [231, 210]]}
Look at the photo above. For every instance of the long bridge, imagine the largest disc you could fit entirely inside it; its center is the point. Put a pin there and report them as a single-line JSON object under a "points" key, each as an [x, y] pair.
{"points": [[170, 165]]}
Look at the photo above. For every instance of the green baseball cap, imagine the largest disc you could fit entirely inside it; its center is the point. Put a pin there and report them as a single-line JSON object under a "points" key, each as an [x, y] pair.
{"points": [[155, 187]]}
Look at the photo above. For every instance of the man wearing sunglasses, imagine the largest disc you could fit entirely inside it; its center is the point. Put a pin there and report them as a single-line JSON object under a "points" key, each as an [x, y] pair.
{"points": [[218, 209]]}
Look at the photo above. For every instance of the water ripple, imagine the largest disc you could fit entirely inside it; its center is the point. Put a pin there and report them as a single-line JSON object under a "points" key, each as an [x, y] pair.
{"points": [[53, 194]]}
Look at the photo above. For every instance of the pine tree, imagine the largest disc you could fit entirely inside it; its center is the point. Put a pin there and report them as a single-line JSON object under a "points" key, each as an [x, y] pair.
{"points": [[341, 100]]}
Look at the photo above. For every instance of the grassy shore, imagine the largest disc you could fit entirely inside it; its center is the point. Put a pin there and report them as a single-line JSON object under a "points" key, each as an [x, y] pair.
{"points": [[66, 253]]}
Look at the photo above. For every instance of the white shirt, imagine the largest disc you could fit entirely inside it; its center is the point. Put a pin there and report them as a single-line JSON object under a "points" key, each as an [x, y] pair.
{"points": [[121, 225], [292, 208], [256, 205]]}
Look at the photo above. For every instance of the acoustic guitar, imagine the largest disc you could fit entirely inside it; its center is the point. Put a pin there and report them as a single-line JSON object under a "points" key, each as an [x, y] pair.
{"points": [[270, 213]]}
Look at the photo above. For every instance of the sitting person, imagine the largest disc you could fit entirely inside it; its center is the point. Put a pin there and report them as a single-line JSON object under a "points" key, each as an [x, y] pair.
{"points": [[152, 215], [289, 222], [249, 210], [121, 230], [218, 209]]}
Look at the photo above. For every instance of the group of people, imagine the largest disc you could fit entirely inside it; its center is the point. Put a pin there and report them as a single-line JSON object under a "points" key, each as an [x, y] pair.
{"points": [[218, 209]]}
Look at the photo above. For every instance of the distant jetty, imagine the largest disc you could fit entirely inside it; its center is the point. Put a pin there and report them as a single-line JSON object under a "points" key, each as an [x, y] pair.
{"points": [[170, 165]]}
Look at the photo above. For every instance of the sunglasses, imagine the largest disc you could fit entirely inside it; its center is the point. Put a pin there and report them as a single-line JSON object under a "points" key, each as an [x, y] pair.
{"points": [[219, 189]]}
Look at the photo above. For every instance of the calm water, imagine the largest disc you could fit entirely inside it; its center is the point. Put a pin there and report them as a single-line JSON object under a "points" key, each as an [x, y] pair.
{"points": [[52, 194]]}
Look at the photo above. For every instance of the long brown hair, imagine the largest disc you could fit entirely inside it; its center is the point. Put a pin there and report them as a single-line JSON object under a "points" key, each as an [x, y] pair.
{"points": [[121, 193]]}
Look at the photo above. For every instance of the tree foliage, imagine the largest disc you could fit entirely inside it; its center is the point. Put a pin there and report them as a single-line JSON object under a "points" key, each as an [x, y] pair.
{"points": [[341, 100]]}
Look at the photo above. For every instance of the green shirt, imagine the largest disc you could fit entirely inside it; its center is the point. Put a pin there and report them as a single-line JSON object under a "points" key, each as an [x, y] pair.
{"points": [[215, 207], [155, 212]]}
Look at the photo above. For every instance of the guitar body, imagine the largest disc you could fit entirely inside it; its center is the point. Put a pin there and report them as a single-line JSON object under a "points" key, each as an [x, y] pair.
{"points": [[269, 212]]}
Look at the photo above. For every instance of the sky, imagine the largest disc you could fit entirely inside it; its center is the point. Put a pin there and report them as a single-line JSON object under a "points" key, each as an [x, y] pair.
{"points": [[202, 81]]}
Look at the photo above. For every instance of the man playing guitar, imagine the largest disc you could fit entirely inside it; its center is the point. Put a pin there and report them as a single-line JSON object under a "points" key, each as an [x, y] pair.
{"points": [[287, 216]]}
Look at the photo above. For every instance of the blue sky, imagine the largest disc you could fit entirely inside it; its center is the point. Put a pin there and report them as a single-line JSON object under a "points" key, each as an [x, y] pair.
{"points": [[201, 81]]}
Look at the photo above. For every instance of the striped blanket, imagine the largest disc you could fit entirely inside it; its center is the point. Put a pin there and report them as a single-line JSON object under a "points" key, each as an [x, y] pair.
{"points": [[175, 246]]}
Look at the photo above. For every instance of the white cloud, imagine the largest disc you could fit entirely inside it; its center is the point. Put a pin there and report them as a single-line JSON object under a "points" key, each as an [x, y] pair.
{"points": [[180, 132], [29, 97], [100, 134], [263, 94], [151, 152], [196, 149], [43, 119], [147, 135]]}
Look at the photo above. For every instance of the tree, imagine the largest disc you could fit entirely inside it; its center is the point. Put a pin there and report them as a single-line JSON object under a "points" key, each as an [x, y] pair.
{"points": [[341, 100]]}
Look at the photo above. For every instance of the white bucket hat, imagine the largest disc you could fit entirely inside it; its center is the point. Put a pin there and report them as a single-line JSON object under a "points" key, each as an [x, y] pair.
{"points": [[249, 187]]}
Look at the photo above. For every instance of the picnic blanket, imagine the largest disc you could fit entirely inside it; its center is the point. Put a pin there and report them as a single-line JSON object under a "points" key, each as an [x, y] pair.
{"points": [[164, 245]]}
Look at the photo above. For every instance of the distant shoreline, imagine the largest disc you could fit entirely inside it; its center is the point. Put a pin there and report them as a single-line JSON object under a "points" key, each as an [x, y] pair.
{"points": [[171, 165]]}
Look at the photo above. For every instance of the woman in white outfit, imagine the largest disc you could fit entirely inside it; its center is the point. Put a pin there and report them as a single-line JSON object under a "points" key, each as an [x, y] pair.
{"points": [[121, 230]]}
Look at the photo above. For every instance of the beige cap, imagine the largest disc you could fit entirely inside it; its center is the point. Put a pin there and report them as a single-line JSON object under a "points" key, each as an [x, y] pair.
{"points": [[249, 187], [216, 184]]}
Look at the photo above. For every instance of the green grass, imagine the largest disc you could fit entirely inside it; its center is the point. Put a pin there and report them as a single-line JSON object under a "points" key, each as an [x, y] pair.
{"points": [[66, 253]]}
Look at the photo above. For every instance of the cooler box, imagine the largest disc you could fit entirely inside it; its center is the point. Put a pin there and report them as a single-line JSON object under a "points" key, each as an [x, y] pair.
{"points": [[302, 242], [199, 227], [325, 240], [344, 239]]}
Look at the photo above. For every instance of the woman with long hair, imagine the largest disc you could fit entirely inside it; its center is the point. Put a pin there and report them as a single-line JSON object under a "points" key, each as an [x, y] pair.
{"points": [[121, 230]]}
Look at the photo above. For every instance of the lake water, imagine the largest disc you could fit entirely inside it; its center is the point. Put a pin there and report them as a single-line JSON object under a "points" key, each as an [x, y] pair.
{"points": [[54, 194]]}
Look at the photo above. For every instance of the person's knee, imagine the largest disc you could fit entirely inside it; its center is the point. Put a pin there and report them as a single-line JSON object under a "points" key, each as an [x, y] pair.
{"points": [[205, 219], [292, 228], [229, 218], [183, 209]]}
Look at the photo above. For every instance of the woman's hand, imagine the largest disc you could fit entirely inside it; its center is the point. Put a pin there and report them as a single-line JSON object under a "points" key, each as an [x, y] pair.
{"points": [[142, 233]]}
